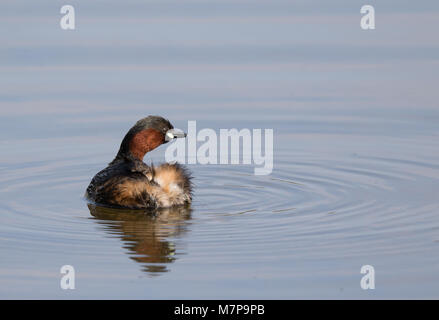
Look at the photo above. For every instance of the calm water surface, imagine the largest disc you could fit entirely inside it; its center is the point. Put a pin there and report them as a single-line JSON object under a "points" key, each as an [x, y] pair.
{"points": [[356, 150]]}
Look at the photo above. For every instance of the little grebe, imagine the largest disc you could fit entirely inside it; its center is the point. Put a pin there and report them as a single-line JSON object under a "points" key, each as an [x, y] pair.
{"points": [[128, 182]]}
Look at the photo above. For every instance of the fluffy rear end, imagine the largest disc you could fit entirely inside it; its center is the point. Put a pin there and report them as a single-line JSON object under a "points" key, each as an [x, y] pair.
{"points": [[175, 181]]}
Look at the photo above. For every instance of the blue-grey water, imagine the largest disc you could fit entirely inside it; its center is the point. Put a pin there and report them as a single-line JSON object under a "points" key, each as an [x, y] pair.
{"points": [[355, 179]]}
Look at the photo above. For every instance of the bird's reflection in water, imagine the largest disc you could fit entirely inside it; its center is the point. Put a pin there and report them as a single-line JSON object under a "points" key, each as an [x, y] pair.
{"points": [[147, 235]]}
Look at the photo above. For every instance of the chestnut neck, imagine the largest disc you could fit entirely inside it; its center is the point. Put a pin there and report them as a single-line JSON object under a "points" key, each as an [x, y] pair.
{"points": [[137, 143]]}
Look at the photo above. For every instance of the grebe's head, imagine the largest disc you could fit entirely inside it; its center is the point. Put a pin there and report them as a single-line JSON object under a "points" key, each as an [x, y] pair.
{"points": [[146, 135]]}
